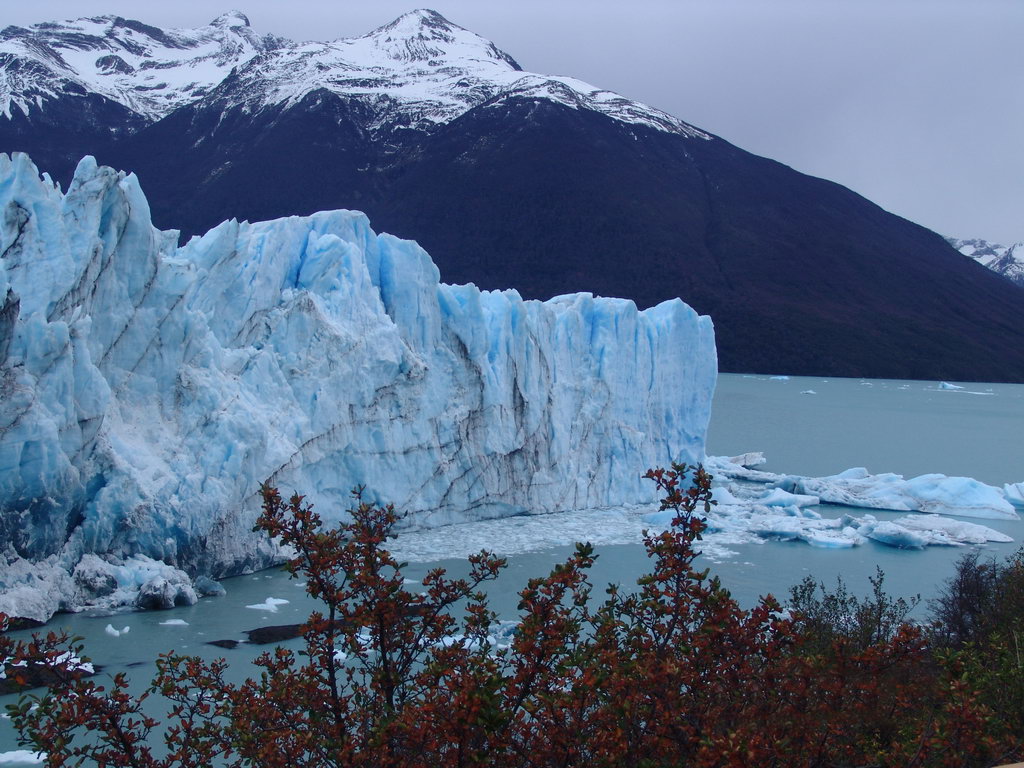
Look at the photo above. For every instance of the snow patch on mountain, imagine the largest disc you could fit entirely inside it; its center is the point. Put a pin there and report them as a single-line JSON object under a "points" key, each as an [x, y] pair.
{"points": [[147, 390], [1006, 260], [149, 70], [415, 72]]}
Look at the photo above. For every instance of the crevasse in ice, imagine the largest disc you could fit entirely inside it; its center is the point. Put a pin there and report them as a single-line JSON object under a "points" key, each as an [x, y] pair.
{"points": [[147, 390]]}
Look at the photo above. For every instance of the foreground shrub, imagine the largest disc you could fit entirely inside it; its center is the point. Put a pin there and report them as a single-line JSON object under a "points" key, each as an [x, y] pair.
{"points": [[839, 615], [977, 628], [672, 672]]}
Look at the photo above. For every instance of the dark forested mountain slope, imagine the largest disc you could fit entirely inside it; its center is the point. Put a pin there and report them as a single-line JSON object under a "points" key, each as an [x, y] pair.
{"points": [[547, 185]]}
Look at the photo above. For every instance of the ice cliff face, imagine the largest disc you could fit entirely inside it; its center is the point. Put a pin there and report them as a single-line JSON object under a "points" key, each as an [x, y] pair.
{"points": [[146, 390]]}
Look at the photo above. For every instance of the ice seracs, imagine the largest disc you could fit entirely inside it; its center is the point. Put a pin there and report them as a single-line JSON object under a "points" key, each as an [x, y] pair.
{"points": [[150, 389]]}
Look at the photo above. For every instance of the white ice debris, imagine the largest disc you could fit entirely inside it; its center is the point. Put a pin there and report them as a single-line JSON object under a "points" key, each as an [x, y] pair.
{"points": [[22, 757], [808, 392], [749, 460], [947, 386], [174, 623], [269, 605], [150, 389], [110, 630], [776, 508], [933, 493], [956, 530]]}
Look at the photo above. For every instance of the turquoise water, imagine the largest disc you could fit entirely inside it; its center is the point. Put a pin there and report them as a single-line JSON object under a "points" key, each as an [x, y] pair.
{"points": [[888, 426], [909, 427]]}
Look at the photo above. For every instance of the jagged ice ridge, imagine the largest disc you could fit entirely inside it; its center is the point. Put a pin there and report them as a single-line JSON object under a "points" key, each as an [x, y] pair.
{"points": [[147, 390]]}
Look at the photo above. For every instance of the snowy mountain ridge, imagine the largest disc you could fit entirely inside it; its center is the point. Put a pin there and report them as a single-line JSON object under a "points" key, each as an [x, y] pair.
{"points": [[1007, 261], [147, 70], [417, 71]]}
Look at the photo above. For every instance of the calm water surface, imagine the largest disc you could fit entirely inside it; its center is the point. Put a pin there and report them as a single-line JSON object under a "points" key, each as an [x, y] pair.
{"points": [[887, 426]]}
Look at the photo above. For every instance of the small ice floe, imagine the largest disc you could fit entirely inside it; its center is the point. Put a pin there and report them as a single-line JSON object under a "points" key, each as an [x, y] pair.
{"points": [[269, 605], [808, 392], [411, 581], [778, 378], [957, 530], [22, 757], [70, 661], [207, 587], [109, 629], [749, 460], [893, 535], [174, 623], [949, 387], [501, 637], [66, 660]]}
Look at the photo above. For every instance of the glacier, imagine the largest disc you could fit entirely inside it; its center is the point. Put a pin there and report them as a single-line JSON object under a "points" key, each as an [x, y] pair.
{"points": [[146, 390]]}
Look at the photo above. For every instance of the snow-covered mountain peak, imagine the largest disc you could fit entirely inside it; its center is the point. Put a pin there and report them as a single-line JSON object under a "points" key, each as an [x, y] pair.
{"points": [[231, 20], [424, 36], [1006, 260], [418, 71], [149, 70]]}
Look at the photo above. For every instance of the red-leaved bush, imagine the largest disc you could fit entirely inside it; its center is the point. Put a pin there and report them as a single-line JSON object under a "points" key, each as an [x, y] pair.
{"points": [[669, 673]]}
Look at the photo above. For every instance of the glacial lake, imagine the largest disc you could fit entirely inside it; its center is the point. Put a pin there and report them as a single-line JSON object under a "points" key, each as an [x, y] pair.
{"points": [[907, 427]]}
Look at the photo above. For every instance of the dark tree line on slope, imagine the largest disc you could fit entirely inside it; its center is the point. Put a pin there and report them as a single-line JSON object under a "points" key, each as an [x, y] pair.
{"points": [[670, 673]]}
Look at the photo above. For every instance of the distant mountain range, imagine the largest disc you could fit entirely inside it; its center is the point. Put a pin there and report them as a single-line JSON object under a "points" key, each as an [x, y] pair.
{"points": [[1006, 260], [508, 179]]}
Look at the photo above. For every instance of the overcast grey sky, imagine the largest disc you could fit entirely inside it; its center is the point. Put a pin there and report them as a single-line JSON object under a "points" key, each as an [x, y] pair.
{"points": [[916, 104]]}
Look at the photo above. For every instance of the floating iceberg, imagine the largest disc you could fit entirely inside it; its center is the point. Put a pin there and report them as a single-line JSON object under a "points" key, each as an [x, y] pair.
{"points": [[22, 757], [149, 389], [955, 530], [933, 493], [776, 508], [748, 460], [269, 605]]}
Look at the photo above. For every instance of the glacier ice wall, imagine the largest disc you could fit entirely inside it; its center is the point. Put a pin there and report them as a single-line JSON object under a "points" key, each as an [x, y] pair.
{"points": [[146, 390]]}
